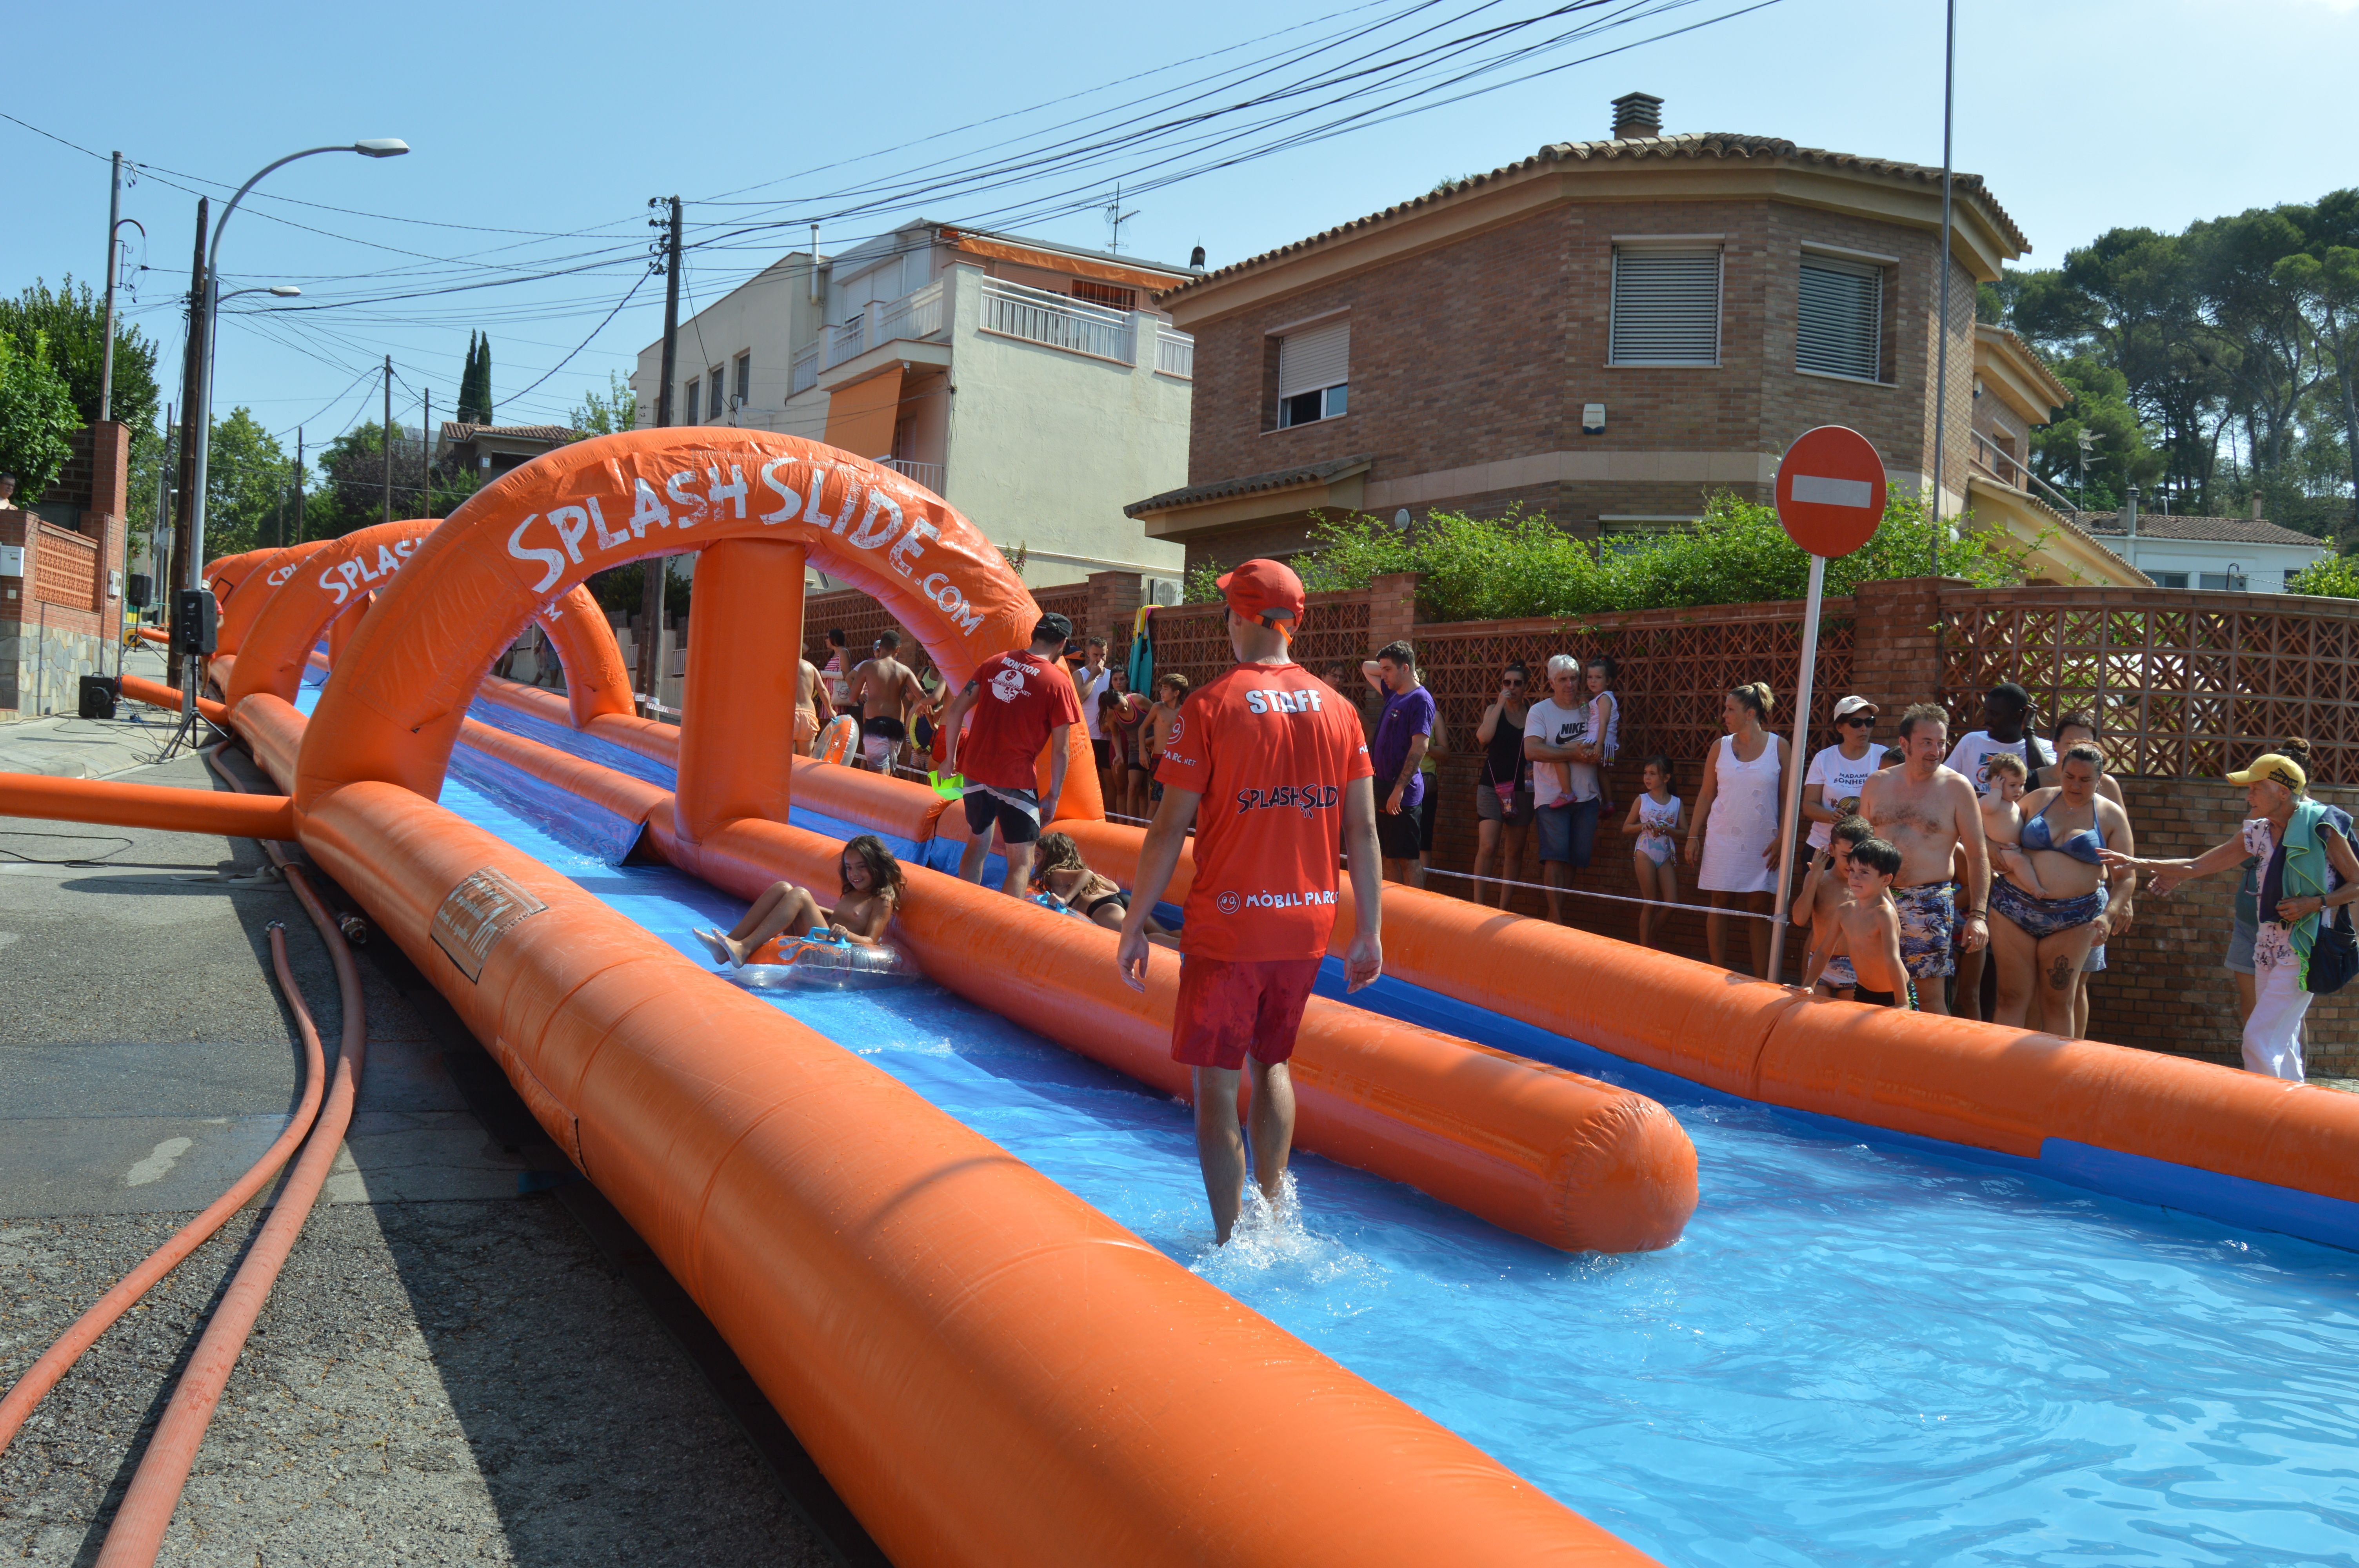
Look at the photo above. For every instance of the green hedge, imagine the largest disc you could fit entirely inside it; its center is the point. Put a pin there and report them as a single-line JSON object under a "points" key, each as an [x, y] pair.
{"points": [[1504, 568]]}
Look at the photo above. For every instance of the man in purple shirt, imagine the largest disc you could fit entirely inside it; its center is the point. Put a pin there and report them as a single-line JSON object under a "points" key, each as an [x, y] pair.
{"points": [[1403, 732]]}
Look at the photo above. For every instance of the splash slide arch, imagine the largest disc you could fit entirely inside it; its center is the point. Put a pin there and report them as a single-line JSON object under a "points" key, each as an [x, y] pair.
{"points": [[757, 506], [223, 574], [256, 588]]}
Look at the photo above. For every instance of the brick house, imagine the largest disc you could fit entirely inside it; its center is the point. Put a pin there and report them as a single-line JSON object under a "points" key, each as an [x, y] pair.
{"points": [[1608, 330], [61, 576]]}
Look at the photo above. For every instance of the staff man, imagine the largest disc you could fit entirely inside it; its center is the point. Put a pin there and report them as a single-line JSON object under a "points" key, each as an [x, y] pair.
{"points": [[888, 693], [1273, 773], [1021, 702], [1929, 811]]}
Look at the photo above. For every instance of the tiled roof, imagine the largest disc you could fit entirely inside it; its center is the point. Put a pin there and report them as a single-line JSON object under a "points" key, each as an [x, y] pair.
{"points": [[2215, 530], [452, 430], [1692, 147], [1247, 484]]}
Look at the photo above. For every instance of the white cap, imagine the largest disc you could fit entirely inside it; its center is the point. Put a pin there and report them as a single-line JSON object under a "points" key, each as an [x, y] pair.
{"points": [[1851, 704]]}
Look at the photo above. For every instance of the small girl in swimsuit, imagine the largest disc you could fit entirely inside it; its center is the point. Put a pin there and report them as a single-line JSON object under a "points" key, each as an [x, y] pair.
{"points": [[871, 891], [1654, 818], [1060, 873]]}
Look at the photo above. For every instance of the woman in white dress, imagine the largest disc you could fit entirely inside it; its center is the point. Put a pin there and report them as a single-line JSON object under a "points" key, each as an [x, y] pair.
{"points": [[1732, 837]]}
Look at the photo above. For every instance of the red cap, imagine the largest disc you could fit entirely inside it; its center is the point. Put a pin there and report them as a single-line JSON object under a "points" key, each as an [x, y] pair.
{"points": [[1262, 590]]}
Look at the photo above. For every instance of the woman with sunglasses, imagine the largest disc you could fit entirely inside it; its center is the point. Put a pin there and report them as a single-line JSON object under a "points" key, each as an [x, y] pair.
{"points": [[1831, 787], [1502, 795]]}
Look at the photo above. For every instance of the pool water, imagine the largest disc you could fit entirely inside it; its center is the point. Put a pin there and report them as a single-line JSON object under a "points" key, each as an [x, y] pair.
{"points": [[1858, 1354]]}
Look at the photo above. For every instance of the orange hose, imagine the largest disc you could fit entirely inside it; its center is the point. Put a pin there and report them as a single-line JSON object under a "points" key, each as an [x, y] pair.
{"points": [[43, 1375], [137, 1533]]}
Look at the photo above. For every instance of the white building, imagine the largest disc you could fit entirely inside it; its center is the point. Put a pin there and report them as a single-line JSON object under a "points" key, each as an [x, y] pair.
{"points": [[2237, 555], [1032, 386]]}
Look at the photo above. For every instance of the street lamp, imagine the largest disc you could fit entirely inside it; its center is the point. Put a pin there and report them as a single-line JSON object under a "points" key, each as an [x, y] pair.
{"points": [[375, 146]]}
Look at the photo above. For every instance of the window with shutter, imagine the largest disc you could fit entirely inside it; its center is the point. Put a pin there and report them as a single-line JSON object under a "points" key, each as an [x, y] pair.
{"points": [[1841, 323], [715, 396], [744, 379], [687, 416], [1314, 372], [1666, 306]]}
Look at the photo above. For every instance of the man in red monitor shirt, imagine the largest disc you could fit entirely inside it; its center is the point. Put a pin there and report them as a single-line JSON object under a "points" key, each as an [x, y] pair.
{"points": [[1269, 765], [1021, 702]]}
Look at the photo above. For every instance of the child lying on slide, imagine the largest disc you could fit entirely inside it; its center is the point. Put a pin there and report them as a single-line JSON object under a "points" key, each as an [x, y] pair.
{"points": [[872, 890], [1059, 872]]}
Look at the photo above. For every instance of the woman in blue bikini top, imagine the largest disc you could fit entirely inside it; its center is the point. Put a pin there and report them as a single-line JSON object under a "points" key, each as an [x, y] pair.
{"points": [[2050, 909]]}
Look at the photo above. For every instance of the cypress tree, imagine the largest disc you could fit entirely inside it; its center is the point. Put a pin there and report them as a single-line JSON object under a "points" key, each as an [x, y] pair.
{"points": [[484, 381], [476, 382]]}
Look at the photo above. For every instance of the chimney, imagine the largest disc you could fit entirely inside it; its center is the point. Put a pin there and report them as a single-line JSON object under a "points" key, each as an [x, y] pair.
{"points": [[2129, 511], [1196, 259], [1638, 115], [2257, 506]]}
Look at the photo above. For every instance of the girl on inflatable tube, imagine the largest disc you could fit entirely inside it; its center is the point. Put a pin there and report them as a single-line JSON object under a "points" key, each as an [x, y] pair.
{"points": [[871, 891]]}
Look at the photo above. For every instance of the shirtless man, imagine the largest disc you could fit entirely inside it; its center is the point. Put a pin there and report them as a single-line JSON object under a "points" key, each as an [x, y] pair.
{"points": [[888, 693], [812, 708], [1930, 812]]}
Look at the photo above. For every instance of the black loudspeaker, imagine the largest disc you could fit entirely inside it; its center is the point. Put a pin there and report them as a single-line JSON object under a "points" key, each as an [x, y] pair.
{"points": [[140, 591], [196, 622], [98, 696]]}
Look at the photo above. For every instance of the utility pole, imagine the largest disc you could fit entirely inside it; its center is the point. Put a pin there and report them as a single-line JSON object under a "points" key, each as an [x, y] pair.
{"points": [[159, 575], [388, 437], [299, 484], [651, 602], [106, 356], [426, 453], [185, 571]]}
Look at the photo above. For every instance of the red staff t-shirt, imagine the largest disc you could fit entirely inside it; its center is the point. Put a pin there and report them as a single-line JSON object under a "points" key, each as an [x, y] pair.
{"points": [[1022, 697], [1269, 748]]}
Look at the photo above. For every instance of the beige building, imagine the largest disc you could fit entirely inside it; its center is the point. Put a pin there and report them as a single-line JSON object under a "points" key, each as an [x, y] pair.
{"points": [[2014, 394], [1034, 387]]}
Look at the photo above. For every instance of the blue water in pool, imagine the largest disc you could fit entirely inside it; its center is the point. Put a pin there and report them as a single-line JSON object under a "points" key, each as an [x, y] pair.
{"points": [[1857, 1355]]}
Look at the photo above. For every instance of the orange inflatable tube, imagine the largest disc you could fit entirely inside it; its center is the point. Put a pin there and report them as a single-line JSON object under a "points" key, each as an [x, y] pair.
{"points": [[223, 574], [1533, 1149], [146, 805], [987, 1369], [333, 579], [155, 693], [255, 590]]}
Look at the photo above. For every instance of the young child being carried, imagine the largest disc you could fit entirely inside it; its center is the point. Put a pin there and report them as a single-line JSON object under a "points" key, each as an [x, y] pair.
{"points": [[1867, 926], [2003, 820], [871, 891], [1825, 890], [1654, 822], [1062, 876]]}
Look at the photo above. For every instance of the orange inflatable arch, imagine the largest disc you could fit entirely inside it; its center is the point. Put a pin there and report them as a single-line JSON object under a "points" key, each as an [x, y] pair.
{"points": [[256, 588], [756, 506]]}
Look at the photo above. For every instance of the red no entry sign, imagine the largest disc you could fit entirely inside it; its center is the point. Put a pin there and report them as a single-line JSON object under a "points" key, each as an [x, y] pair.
{"points": [[1830, 491]]}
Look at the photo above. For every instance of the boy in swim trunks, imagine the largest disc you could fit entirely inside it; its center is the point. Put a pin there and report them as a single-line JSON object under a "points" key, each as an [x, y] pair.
{"points": [[1825, 892], [1273, 773], [1867, 927]]}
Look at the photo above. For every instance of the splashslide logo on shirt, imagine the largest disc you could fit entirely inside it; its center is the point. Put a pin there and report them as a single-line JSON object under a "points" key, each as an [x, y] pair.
{"points": [[1305, 798]]}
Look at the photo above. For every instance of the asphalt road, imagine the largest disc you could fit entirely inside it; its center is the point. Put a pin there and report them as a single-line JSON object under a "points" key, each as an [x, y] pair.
{"points": [[469, 1358]]}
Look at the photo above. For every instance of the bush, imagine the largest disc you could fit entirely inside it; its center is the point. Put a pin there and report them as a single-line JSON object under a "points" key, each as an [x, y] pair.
{"points": [[2332, 577], [1522, 565]]}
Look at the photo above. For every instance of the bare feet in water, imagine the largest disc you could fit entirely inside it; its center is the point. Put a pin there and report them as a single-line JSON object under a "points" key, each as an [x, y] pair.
{"points": [[723, 951]]}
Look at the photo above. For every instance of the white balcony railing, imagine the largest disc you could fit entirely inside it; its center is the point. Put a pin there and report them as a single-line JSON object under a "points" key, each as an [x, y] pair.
{"points": [[912, 315], [1175, 353], [846, 342], [1038, 316], [803, 373], [927, 474]]}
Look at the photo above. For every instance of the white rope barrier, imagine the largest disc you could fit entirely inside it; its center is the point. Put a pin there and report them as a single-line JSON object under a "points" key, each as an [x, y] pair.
{"points": [[1704, 909]]}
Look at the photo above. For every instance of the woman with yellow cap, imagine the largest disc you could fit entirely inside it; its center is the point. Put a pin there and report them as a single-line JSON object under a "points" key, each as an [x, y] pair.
{"points": [[2307, 869]]}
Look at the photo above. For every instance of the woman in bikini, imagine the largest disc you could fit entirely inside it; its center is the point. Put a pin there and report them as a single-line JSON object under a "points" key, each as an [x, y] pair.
{"points": [[871, 891], [1060, 873], [2051, 905]]}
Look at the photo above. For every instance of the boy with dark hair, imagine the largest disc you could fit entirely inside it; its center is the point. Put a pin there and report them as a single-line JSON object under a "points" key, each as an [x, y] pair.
{"points": [[1826, 890], [1868, 926]]}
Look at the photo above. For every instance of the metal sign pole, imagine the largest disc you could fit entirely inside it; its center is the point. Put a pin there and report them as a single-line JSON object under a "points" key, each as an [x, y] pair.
{"points": [[1790, 819]]}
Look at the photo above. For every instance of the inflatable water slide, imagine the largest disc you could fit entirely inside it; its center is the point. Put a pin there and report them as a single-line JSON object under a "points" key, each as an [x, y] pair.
{"points": [[987, 1367]]}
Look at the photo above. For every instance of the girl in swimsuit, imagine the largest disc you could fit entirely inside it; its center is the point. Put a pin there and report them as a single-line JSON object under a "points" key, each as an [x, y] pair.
{"points": [[871, 891], [2042, 937], [1059, 872]]}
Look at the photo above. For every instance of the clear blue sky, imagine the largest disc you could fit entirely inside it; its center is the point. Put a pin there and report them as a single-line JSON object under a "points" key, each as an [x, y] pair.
{"points": [[562, 121]]}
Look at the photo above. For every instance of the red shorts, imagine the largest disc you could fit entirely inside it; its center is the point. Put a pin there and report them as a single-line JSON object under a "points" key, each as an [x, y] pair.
{"points": [[1229, 1006]]}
